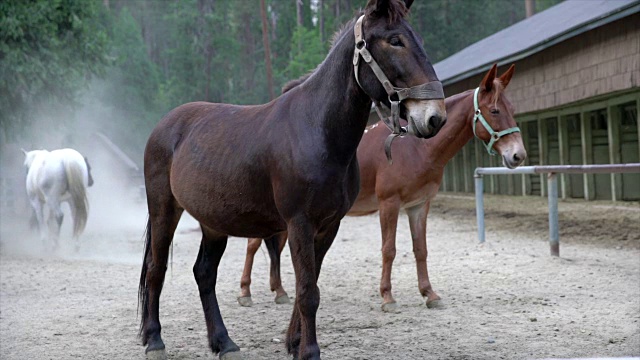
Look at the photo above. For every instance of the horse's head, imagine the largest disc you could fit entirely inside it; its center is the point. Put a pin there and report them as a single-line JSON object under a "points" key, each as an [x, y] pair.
{"points": [[86, 161], [493, 121], [29, 157], [391, 42]]}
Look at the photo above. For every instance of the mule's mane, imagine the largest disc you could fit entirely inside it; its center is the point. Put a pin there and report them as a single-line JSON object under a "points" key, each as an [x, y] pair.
{"points": [[397, 10]]}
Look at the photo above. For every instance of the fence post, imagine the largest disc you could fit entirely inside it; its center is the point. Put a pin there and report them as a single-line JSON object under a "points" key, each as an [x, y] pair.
{"points": [[479, 205], [552, 191]]}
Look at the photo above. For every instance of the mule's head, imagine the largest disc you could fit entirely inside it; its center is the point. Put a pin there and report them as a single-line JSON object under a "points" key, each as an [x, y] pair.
{"points": [[498, 112], [399, 52]]}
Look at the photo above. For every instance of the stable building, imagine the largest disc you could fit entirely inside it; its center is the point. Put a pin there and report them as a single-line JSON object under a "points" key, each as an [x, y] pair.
{"points": [[576, 91]]}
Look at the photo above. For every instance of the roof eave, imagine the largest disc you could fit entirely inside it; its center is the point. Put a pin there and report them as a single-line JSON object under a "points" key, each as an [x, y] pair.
{"points": [[603, 20]]}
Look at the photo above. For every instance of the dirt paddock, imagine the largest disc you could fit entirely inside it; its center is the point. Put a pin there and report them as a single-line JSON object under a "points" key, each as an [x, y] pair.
{"points": [[507, 299]]}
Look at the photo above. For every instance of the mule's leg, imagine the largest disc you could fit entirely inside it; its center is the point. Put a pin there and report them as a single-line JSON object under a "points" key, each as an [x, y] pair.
{"points": [[389, 210], [163, 220], [253, 245], [275, 244], [418, 225], [322, 243], [301, 339], [205, 271]]}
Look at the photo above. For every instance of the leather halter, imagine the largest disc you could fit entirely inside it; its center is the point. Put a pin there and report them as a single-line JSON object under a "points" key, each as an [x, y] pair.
{"points": [[427, 91], [495, 136]]}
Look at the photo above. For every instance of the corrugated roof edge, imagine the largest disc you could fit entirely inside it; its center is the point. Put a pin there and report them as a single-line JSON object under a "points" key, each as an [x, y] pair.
{"points": [[614, 15]]}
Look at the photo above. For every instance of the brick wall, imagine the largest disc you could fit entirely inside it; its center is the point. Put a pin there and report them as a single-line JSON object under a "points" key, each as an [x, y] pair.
{"points": [[599, 61]]}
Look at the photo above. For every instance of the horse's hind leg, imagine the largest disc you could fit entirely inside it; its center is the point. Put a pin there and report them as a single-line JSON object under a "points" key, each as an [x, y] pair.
{"points": [[205, 271], [38, 213], [164, 215], [275, 244], [74, 216], [244, 299], [55, 221]]}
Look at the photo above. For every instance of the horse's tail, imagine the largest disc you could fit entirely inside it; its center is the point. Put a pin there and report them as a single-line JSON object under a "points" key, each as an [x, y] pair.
{"points": [[143, 291], [75, 182]]}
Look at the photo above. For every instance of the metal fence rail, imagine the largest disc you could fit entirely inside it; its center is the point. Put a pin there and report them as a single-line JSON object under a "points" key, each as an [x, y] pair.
{"points": [[552, 182]]}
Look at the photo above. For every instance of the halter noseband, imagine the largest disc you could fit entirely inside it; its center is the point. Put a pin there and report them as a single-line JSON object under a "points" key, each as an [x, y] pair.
{"points": [[495, 136], [427, 91]]}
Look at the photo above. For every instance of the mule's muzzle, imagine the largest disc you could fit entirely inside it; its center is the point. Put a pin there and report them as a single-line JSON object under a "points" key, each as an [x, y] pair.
{"points": [[428, 129]]}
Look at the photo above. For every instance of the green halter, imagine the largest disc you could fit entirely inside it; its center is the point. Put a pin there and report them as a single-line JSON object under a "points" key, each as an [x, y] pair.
{"points": [[495, 136]]}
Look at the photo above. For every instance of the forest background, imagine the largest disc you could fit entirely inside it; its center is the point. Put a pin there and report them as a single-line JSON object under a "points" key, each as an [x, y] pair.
{"points": [[117, 66]]}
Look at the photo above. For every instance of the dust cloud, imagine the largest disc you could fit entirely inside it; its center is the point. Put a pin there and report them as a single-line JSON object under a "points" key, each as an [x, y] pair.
{"points": [[117, 206]]}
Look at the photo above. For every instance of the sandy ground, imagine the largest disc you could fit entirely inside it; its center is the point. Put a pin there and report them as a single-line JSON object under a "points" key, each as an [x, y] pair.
{"points": [[507, 299]]}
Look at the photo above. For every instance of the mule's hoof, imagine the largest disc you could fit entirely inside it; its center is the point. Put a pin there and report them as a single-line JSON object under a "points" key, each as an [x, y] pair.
{"points": [[245, 301], [283, 299], [390, 307], [232, 355], [157, 355], [435, 304]]}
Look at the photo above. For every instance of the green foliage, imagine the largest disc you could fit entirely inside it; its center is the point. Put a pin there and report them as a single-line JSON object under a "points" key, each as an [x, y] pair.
{"points": [[153, 55], [48, 51], [306, 52]]}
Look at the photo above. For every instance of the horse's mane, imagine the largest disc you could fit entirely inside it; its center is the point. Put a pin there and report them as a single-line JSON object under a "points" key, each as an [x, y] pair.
{"points": [[498, 88], [396, 10]]}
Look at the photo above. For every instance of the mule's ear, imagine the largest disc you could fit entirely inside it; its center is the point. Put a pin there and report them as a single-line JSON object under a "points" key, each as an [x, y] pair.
{"points": [[408, 3], [487, 82], [506, 77], [377, 7]]}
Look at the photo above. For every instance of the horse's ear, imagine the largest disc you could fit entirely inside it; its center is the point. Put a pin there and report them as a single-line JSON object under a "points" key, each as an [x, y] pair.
{"points": [[408, 3], [506, 77], [487, 82]]}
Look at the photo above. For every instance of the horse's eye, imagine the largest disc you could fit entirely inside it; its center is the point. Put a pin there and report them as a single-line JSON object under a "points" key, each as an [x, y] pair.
{"points": [[495, 111], [395, 41]]}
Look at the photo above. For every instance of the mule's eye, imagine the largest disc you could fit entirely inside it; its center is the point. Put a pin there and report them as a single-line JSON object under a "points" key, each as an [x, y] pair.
{"points": [[495, 111], [395, 41]]}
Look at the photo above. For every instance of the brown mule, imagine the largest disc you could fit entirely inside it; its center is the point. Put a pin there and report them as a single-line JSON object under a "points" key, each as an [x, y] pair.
{"points": [[289, 165], [414, 178]]}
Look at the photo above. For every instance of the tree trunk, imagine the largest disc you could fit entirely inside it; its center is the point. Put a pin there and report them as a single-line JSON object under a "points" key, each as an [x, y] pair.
{"points": [[267, 51], [321, 19], [530, 7]]}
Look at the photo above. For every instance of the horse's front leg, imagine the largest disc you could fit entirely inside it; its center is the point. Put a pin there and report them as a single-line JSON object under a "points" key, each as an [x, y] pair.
{"points": [[389, 210], [418, 225], [301, 339], [253, 245]]}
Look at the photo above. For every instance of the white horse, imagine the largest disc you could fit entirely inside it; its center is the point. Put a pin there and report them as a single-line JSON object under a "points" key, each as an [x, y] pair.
{"points": [[54, 177]]}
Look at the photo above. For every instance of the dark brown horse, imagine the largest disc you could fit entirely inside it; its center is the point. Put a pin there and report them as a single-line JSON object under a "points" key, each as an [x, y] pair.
{"points": [[289, 165], [413, 180]]}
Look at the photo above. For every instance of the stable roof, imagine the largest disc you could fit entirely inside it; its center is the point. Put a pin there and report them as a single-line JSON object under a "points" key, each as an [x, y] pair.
{"points": [[534, 34]]}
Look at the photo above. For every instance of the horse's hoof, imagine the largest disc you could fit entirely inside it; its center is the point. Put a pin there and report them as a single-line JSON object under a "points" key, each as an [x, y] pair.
{"points": [[435, 304], [232, 355], [157, 355], [283, 299], [245, 301], [390, 307]]}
